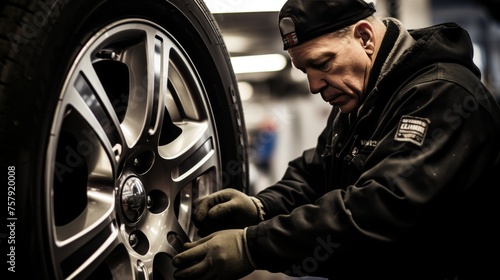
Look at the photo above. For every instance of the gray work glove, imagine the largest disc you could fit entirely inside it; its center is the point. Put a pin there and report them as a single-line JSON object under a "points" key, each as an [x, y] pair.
{"points": [[221, 256], [225, 209]]}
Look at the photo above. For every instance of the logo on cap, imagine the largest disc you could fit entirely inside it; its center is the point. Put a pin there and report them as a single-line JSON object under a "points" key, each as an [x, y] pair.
{"points": [[287, 27]]}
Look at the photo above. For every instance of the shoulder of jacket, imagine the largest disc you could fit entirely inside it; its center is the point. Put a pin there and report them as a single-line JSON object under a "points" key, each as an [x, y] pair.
{"points": [[446, 72]]}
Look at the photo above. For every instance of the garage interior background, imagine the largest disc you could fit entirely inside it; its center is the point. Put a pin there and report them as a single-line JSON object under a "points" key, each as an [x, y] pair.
{"points": [[282, 117]]}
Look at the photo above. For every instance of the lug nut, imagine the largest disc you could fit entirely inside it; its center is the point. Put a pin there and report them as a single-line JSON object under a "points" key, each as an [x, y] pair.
{"points": [[133, 240]]}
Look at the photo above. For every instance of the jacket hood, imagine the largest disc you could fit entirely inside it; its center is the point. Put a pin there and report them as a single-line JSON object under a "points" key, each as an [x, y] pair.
{"points": [[447, 42]]}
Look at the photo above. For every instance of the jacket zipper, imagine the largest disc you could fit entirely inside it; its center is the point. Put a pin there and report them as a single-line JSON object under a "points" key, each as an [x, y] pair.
{"points": [[352, 135]]}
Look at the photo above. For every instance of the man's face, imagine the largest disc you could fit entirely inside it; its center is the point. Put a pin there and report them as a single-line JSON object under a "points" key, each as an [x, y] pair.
{"points": [[336, 67]]}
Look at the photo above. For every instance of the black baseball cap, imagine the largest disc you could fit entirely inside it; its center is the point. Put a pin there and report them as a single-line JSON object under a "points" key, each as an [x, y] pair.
{"points": [[302, 20]]}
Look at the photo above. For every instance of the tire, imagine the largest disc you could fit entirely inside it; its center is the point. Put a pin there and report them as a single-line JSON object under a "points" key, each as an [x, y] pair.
{"points": [[114, 116]]}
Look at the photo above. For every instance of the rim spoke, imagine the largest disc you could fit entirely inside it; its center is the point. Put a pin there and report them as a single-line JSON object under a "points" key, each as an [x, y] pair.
{"points": [[92, 91], [146, 63], [191, 153], [81, 252], [89, 115]]}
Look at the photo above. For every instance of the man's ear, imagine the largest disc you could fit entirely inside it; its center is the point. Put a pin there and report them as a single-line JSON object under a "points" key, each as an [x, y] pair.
{"points": [[364, 32]]}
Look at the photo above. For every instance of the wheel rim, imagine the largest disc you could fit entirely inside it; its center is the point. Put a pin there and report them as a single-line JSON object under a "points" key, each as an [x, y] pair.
{"points": [[132, 144]]}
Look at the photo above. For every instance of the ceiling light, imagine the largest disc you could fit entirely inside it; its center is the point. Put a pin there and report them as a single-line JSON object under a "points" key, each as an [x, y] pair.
{"points": [[244, 6], [258, 63]]}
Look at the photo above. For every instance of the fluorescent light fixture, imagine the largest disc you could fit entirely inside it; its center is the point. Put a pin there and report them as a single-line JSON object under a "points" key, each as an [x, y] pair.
{"points": [[244, 6], [258, 63], [247, 6]]}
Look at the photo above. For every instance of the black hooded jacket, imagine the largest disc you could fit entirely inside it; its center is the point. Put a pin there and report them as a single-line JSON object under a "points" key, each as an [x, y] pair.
{"points": [[405, 188]]}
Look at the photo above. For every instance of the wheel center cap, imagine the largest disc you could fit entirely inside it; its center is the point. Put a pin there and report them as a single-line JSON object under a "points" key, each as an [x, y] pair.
{"points": [[133, 198]]}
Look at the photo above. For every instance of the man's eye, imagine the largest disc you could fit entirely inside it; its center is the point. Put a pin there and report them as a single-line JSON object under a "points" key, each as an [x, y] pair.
{"points": [[323, 66]]}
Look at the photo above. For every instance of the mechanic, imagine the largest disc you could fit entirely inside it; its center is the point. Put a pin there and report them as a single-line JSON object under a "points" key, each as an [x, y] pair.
{"points": [[403, 181]]}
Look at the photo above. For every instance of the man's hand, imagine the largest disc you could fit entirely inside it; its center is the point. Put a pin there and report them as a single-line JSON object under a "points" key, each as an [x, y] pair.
{"points": [[221, 255], [225, 209]]}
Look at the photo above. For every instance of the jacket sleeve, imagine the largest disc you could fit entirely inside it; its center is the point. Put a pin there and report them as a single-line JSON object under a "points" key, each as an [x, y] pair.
{"points": [[404, 190], [303, 180]]}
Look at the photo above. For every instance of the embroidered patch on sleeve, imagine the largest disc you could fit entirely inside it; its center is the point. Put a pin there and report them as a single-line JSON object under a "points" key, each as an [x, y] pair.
{"points": [[412, 129]]}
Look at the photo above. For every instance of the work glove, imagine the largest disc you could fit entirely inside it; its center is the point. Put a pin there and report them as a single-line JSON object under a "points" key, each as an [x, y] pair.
{"points": [[226, 209], [219, 256]]}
